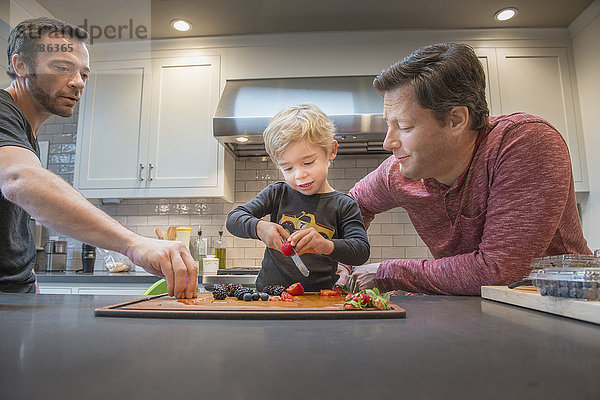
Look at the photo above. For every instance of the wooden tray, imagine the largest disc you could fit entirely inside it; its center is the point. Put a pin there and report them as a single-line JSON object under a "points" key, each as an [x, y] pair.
{"points": [[307, 306], [528, 297]]}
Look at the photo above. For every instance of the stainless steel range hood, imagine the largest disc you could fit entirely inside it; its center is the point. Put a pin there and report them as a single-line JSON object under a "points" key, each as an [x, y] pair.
{"points": [[247, 106]]}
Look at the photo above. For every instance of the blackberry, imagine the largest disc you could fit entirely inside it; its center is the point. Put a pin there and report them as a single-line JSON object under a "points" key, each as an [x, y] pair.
{"points": [[274, 290], [231, 288], [219, 292]]}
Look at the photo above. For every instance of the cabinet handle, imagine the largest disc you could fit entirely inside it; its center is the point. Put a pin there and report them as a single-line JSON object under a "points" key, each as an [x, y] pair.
{"points": [[150, 168], [140, 176]]}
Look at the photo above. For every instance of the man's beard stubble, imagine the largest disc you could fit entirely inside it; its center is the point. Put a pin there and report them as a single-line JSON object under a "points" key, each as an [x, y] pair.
{"points": [[46, 100]]}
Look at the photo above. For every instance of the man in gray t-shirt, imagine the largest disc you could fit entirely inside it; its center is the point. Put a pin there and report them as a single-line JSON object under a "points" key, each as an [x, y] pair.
{"points": [[48, 63]]}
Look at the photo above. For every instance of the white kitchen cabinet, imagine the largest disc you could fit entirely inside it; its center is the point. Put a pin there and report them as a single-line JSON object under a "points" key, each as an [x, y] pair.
{"points": [[114, 122], [183, 152], [145, 130], [538, 81]]}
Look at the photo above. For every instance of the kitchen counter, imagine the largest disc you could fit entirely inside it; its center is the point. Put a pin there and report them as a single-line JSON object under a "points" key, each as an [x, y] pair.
{"points": [[447, 347]]}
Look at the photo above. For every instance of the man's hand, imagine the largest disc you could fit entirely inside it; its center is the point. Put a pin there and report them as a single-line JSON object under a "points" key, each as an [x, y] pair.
{"points": [[271, 233], [344, 274], [169, 259], [363, 277], [309, 240]]}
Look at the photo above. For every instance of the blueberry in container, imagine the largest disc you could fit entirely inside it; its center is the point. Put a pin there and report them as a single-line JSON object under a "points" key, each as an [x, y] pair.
{"points": [[568, 276]]}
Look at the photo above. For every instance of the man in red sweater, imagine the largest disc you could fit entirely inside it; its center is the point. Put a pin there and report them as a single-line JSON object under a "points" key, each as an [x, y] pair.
{"points": [[486, 194]]}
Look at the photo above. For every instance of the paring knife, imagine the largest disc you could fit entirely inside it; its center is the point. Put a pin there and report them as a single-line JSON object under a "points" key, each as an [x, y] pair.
{"points": [[296, 258]]}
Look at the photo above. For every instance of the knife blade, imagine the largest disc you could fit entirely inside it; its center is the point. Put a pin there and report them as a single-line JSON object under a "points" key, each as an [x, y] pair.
{"points": [[298, 261], [300, 264]]}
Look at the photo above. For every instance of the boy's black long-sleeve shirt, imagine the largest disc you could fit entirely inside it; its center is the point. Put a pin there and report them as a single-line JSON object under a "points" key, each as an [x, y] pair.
{"points": [[335, 215]]}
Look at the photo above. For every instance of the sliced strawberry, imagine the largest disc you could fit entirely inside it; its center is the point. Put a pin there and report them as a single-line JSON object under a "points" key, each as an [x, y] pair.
{"points": [[287, 297], [365, 298], [295, 289], [327, 292], [340, 289]]}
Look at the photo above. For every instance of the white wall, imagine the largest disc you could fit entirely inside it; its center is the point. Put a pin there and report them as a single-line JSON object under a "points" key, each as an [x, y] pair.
{"points": [[586, 49]]}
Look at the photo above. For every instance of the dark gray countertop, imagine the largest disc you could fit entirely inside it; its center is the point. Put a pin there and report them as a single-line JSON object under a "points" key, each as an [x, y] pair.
{"points": [[446, 348]]}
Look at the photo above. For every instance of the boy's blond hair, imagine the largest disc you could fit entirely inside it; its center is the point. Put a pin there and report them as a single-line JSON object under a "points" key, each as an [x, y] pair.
{"points": [[301, 122]]}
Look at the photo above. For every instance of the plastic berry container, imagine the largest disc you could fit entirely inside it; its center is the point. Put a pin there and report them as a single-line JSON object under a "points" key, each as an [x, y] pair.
{"points": [[568, 276]]}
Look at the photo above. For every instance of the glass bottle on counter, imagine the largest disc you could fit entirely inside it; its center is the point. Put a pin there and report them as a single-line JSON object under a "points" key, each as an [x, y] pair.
{"points": [[199, 249], [221, 251]]}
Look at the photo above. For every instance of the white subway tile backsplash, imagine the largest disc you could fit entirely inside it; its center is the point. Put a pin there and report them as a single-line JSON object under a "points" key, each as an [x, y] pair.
{"points": [[255, 252], [381, 240], [405, 241], [242, 243], [392, 229], [137, 220], [392, 252]]}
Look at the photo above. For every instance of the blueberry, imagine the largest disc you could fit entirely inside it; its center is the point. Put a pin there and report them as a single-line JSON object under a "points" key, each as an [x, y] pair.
{"points": [[255, 296], [247, 296], [264, 296]]}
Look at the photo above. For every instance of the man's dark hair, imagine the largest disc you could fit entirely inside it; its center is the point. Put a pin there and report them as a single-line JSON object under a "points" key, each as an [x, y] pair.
{"points": [[442, 76], [24, 37]]}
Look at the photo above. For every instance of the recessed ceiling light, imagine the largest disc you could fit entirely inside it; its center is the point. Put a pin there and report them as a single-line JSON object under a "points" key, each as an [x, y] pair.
{"points": [[181, 25], [242, 139], [505, 13]]}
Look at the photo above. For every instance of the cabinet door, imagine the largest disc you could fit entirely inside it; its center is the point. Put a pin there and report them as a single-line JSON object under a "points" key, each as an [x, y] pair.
{"points": [[537, 81], [182, 149], [487, 57], [113, 126]]}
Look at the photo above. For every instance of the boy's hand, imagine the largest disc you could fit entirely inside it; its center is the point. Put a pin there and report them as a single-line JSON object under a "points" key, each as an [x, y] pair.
{"points": [[271, 233], [309, 240]]}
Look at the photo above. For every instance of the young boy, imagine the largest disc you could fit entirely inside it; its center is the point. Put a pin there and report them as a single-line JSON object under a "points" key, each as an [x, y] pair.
{"points": [[323, 225]]}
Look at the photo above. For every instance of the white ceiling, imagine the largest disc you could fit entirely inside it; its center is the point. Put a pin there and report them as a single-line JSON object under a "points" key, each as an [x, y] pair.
{"points": [[239, 17]]}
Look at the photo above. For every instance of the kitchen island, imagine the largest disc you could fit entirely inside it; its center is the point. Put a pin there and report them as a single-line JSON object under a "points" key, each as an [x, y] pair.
{"points": [[447, 347]]}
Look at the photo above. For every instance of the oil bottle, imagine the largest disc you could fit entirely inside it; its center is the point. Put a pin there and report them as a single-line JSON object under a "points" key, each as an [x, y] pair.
{"points": [[199, 249], [221, 251]]}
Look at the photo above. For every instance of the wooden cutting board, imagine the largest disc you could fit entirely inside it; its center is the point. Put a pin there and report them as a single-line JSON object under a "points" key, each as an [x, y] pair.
{"points": [[528, 297], [306, 306]]}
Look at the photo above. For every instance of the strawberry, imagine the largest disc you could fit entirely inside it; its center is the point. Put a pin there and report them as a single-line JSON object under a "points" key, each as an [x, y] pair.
{"points": [[365, 298], [287, 249], [295, 289], [285, 296], [327, 292], [340, 289]]}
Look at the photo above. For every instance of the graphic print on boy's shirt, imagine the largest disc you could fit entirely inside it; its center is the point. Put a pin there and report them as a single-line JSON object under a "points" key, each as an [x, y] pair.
{"points": [[305, 220]]}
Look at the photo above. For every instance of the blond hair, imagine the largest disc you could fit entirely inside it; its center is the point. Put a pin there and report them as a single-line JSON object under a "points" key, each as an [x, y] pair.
{"points": [[301, 122]]}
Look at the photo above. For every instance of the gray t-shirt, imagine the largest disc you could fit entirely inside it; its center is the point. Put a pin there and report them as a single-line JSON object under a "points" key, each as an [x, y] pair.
{"points": [[334, 215], [17, 249]]}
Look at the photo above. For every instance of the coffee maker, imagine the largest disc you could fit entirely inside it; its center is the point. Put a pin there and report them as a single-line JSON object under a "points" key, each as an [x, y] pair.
{"points": [[56, 254]]}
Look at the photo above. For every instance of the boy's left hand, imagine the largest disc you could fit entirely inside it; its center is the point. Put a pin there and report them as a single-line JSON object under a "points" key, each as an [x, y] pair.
{"points": [[310, 241]]}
